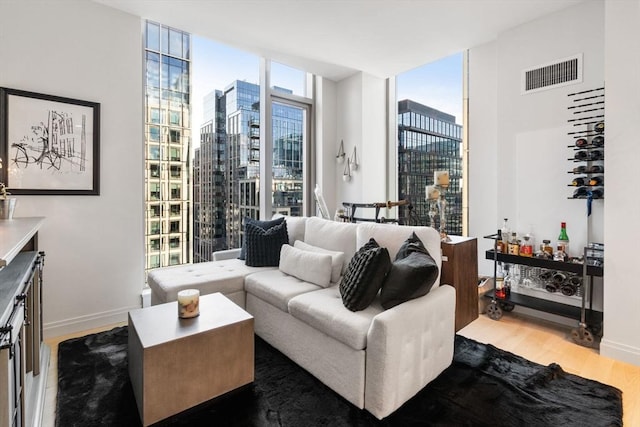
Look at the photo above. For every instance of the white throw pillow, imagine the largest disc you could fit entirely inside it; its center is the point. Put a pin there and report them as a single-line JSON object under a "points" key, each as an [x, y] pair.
{"points": [[337, 258], [312, 267]]}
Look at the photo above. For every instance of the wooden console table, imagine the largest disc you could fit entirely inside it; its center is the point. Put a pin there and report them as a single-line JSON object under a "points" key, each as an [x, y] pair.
{"points": [[24, 358], [460, 270]]}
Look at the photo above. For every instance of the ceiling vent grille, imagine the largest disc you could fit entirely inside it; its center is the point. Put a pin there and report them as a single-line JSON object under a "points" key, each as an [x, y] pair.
{"points": [[559, 73]]}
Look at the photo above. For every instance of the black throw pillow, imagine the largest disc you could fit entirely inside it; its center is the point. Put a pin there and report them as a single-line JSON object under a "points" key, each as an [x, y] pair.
{"points": [[412, 274], [263, 246], [364, 276], [265, 225]]}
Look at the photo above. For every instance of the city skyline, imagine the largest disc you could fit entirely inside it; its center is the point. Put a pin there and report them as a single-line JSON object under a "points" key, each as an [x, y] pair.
{"points": [[216, 65]]}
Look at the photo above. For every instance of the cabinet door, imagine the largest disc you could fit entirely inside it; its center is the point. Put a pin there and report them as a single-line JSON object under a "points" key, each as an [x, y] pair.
{"points": [[460, 270]]}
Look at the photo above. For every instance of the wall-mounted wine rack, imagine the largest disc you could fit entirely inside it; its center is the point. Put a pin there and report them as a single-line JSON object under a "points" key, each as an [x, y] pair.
{"points": [[587, 117]]}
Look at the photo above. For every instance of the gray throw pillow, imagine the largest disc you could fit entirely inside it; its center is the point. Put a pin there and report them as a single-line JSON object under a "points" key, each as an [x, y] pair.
{"points": [[412, 274], [364, 276]]}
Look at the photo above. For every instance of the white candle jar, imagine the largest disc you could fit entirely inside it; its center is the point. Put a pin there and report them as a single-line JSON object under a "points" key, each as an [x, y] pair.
{"points": [[188, 303]]}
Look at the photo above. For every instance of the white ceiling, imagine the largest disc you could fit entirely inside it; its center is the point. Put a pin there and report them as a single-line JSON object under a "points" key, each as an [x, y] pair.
{"points": [[336, 38]]}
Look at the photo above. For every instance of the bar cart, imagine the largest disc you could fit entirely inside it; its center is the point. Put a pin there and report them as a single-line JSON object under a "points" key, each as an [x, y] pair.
{"points": [[581, 275]]}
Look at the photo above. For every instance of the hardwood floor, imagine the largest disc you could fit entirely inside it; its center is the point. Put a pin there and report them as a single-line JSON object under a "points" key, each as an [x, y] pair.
{"points": [[539, 341]]}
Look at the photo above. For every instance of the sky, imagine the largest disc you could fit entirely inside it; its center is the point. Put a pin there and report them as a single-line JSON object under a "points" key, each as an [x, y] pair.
{"points": [[215, 66]]}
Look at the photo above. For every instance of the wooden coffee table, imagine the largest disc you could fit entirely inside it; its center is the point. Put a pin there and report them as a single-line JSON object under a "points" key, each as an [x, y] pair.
{"points": [[176, 364]]}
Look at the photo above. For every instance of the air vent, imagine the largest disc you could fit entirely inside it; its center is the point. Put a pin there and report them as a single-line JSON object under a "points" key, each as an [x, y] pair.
{"points": [[559, 73]]}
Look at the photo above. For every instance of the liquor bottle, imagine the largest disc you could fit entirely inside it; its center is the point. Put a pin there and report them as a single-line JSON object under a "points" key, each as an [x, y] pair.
{"points": [[560, 254], [596, 180], [509, 279], [547, 248], [579, 181], [499, 243], [500, 293], [563, 239], [527, 246], [505, 233], [513, 247]]}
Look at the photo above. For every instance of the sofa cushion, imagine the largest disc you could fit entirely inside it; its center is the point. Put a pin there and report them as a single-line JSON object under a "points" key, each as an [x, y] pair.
{"points": [[295, 228], [332, 235], [364, 276], [265, 225], [324, 311], [412, 274], [263, 246], [392, 237], [337, 258], [208, 277], [276, 287], [312, 267]]}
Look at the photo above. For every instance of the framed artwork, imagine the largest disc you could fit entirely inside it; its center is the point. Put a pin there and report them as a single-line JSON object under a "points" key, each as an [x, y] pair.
{"points": [[49, 144]]}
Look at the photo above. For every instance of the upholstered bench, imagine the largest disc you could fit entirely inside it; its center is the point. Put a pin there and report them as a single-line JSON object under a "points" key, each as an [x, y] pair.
{"points": [[225, 276]]}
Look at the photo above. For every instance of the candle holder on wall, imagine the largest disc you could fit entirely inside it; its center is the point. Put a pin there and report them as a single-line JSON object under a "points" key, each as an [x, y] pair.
{"points": [[341, 154], [354, 160], [346, 174]]}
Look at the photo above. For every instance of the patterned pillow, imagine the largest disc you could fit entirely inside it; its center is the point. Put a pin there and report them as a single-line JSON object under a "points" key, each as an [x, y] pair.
{"points": [[265, 225], [364, 276], [412, 274], [263, 246]]}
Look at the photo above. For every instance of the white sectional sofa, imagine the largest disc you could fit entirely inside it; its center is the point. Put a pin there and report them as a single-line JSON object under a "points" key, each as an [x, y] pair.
{"points": [[377, 359]]}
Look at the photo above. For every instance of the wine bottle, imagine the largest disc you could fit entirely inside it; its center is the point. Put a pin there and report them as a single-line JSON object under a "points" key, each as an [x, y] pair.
{"points": [[581, 142], [563, 238], [581, 155], [579, 181], [596, 180], [596, 169], [513, 247], [599, 127], [580, 169], [580, 192], [598, 193], [597, 141], [596, 155]]}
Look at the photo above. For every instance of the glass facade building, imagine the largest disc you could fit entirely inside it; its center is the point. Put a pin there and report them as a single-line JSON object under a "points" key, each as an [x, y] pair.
{"points": [[428, 141], [167, 146], [228, 166]]}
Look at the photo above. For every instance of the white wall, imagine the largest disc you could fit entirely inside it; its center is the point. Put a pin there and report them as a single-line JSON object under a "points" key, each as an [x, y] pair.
{"points": [[518, 148], [94, 244], [325, 137], [361, 122], [622, 205]]}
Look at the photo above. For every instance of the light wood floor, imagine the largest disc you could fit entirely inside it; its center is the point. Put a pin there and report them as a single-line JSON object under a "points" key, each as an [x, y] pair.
{"points": [[541, 342]]}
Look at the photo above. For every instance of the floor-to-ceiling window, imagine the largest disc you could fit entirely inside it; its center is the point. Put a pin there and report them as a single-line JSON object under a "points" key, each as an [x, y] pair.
{"points": [[430, 140], [168, 143], [224, 100]]}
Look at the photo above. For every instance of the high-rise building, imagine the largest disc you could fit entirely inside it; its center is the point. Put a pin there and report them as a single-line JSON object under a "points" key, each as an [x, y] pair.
{"points": [[209, 190], [428, 141], [234, 178], [167, 146]]}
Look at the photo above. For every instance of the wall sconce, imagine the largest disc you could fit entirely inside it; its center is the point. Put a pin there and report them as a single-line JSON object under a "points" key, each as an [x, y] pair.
{"points": [[354, 160], [341, 155], [346, 175]]}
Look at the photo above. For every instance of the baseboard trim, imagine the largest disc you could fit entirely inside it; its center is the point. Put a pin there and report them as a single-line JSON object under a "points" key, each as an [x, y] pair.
{"points": [[618, 351], [83, 323]]}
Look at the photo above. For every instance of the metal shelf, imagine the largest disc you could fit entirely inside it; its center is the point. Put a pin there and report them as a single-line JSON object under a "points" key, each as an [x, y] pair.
{"points": [[544, 263]]}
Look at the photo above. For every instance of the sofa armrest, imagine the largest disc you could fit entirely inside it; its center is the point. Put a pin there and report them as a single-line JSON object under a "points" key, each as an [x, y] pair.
{"points": [[408, 346], [227, 254]]}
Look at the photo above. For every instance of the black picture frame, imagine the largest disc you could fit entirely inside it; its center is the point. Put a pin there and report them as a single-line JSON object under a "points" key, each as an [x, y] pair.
{"points": [[49, 145]]}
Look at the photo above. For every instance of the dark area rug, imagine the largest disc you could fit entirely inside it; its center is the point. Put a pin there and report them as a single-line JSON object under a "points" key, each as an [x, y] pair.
{"points": [[485, 386]]}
